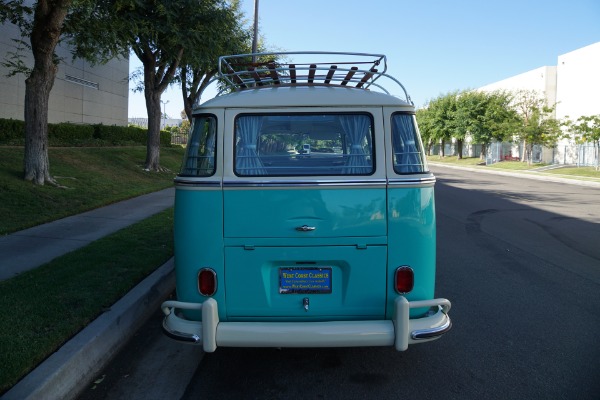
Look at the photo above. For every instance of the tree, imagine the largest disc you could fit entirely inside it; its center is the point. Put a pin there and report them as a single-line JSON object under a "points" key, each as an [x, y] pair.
{"points": [[470, 107], [46, 24], [443, 120], [159, 33], [585, 130], [43, 25], [496, 122], [198, 68], [536, 124], [425, 123]]}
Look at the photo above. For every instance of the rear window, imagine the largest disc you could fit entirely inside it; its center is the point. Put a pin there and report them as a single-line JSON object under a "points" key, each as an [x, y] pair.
{"points": [[408, 155], [304, 144], [199, 157]]}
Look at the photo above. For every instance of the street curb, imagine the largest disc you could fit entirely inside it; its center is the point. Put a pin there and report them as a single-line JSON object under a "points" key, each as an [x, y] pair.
{"points": [[66, 373]]}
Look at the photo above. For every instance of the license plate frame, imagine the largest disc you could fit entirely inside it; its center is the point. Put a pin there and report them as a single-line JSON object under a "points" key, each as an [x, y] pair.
{"points": [[299, 280]]}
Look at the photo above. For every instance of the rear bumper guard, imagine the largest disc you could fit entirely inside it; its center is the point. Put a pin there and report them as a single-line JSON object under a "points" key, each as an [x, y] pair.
{"points": [[399, 332]]}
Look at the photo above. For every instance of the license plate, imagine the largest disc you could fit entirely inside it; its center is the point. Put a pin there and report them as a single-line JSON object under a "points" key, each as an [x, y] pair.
{"points": [[305, 280]]}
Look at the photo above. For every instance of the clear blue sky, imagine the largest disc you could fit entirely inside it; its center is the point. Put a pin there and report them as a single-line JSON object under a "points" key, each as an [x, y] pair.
{"points": [[432, 46]]}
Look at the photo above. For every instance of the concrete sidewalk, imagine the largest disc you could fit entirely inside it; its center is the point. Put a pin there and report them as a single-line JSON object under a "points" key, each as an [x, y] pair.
{"points": [[66, 372], [30, 248]]}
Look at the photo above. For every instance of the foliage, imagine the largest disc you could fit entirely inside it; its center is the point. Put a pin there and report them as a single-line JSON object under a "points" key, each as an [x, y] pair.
{"points": [[587, 130], [535, 122], [199, 67], [438, 121], [483, 116], [11, 129], [45, 24], [160, 33], [498, 119], [69, 134]]}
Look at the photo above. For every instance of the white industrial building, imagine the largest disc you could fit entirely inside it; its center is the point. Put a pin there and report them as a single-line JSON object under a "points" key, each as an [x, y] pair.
{"points": [[573, 85], [81, 93]]}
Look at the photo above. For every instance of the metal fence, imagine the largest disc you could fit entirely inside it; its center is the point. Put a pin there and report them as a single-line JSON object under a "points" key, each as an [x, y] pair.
{"points": [[573, 154], [178, 139], [581, 155], [496, 151]]}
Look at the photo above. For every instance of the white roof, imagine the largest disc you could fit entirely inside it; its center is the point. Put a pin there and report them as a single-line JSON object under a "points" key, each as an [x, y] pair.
{"points": [[304, 96]]}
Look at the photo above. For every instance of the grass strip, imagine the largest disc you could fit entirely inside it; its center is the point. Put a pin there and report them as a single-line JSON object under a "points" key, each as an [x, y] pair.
{"points": [[45, 307], [94, 177], [580, 173]]}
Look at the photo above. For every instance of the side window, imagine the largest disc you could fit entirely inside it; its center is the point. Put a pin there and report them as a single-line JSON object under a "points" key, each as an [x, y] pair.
{"points": [[408, 155], [304, 144], [199, 157]]}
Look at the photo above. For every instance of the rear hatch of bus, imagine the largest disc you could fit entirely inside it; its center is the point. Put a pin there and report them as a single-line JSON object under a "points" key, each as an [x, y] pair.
{"points": [[313, 253]]}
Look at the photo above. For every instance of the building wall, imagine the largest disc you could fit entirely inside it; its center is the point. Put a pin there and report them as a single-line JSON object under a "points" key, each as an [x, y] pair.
{"points": [[81, 93], [578, 82], [541, 80], [573, 85]]}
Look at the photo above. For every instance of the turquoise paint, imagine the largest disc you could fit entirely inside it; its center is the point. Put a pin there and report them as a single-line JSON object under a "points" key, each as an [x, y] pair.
{"points": [[198, 229], [358, 282], [412, 233], [333, 212]]}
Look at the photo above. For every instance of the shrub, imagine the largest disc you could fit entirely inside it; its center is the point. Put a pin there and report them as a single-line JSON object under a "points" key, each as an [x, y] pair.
{"points": [[67, 134], [12, 132]]}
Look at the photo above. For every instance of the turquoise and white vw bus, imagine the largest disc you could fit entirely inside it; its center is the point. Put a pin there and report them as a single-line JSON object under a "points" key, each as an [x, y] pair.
{"points": [[304, 210]]}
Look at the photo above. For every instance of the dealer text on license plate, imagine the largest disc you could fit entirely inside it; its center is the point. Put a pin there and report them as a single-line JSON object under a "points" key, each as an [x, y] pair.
{"points": [[305, 280]]}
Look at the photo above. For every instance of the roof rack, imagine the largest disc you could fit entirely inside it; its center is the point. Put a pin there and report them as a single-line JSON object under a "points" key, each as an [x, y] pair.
{"points": [[305, 68]]}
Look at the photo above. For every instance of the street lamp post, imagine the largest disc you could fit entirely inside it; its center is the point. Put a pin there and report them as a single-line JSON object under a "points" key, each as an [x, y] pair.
{"points": [[255, 38], [164, 103]]}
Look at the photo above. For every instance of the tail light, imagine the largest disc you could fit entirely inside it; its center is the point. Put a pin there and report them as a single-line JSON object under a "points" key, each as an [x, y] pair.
{"points": [[207, 282], [404, 279]]}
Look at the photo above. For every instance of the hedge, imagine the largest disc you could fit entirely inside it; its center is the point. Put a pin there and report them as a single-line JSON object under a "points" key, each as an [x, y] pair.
{"points": [[12, 132]]}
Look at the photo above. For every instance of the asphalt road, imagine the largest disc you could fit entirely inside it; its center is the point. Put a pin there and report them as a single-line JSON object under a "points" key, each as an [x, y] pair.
{"points": [[518, 258]]}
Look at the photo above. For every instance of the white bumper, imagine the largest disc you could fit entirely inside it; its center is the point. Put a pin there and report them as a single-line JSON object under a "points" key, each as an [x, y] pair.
{"points": [[400, 332]]}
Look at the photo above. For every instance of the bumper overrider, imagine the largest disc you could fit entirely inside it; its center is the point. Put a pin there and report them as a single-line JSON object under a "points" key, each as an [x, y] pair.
{"points": [[398, 332]]}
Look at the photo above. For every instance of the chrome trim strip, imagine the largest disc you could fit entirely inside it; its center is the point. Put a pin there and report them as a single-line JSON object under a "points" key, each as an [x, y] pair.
{"points": [[180, 336], [422, 334], [411, 181], [196, 182], [304, 183]]}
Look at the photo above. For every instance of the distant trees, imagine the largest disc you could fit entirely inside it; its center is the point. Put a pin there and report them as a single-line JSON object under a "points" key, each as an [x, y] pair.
{"points": [[535, 123], [586, 129], [486, 117], [483, 116]]}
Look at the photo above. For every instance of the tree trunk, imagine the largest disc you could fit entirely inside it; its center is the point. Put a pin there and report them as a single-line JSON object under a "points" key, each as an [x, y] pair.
{"points": [[153, 144], [459, 147], [483, 153], [45, 34], [36, 165], [442, 146]]}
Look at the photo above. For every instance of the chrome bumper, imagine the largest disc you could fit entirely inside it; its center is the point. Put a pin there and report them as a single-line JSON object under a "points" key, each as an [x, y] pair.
{"points": [[399, 332]]}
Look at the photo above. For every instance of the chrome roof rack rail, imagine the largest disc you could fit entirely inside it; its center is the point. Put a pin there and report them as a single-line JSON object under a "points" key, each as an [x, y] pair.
{"points": [[305, 68]]}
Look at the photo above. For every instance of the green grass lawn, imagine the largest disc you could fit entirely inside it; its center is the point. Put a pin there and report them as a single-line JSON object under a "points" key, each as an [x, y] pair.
{"points": [[93, 177], [572, 172], [46, 306]]}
